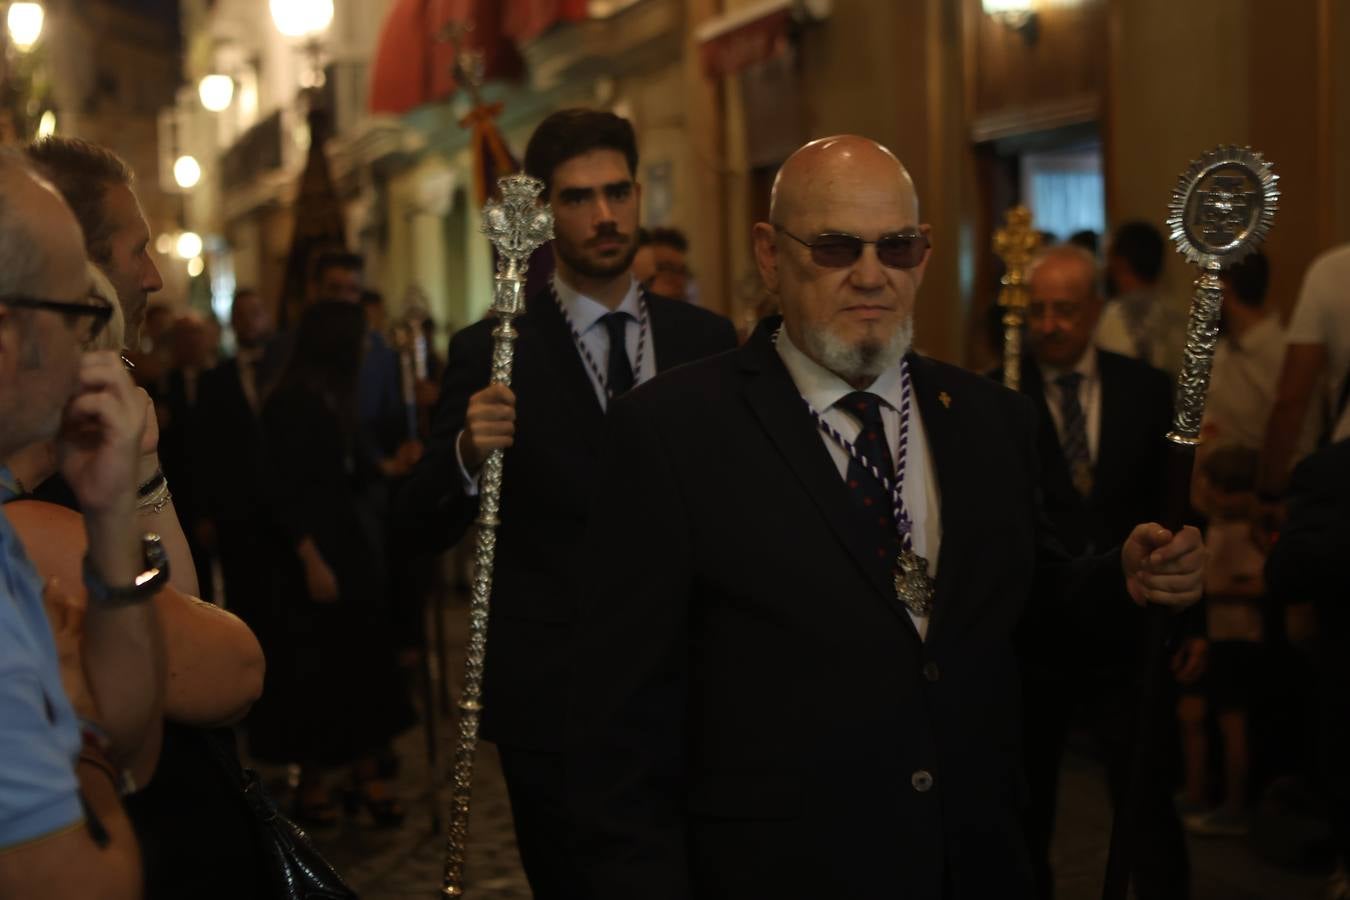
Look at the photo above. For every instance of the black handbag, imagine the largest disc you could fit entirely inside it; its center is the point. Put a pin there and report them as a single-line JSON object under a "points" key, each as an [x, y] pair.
{"points": [[298, 871]]}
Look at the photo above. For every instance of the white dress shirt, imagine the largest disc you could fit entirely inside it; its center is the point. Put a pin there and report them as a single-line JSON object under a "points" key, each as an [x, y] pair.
{"points": [[823, 390], [585, 314], [1089, 399]]}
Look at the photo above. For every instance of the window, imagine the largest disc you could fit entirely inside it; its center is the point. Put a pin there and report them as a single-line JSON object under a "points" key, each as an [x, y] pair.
{"points": [[1065, 190]]}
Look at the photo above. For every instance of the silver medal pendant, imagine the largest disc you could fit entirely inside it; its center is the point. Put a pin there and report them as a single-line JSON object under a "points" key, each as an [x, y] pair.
{"points": [[913, 587]]}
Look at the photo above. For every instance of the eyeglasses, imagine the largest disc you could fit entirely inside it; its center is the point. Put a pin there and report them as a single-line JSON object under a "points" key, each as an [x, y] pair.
{"points": [[1067, 311], [98, 310], [903, 250]]}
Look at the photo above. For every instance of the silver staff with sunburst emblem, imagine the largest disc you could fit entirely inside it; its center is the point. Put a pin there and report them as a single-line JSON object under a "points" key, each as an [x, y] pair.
{"points": [[1221, 210], [516, 225]]}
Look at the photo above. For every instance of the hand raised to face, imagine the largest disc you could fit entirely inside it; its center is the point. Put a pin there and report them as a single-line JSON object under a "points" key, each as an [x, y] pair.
{"points": [[101, 434]]}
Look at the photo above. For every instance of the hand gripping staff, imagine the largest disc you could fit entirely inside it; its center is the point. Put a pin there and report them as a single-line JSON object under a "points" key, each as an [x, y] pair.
{"points": [[516, 225]]}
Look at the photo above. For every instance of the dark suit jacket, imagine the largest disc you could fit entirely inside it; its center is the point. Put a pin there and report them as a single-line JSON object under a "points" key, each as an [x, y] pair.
{"points": [[177, 438], [235, 487], [229, 448], [1129, 487], [1130, 475], [1308, 562], [549, 477], [753, 713]]}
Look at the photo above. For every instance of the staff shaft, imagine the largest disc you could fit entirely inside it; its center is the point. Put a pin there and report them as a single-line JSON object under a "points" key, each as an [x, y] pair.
{"points": [[470, 702], [1192, 388]]}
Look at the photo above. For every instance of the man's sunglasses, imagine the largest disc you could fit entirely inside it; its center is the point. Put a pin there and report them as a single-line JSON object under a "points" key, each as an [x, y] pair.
{"points": [[99, 311], [904, 250]]}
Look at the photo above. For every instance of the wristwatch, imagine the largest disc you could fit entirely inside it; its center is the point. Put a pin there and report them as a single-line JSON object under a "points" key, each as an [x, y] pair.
{"points": [[146, 585]]}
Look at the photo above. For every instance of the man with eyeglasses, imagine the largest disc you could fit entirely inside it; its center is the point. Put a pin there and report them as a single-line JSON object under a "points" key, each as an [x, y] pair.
{"points": [[587, 338], [69, 739], [794, 676], [1101, 418]]}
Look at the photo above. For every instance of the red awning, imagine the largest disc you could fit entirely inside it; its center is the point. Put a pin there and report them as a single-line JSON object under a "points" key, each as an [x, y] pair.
{"points": [[413, 67], [738, 40]]}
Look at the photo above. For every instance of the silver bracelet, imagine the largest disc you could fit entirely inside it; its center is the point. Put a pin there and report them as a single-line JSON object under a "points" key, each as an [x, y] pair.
{"points": [[153, 504]]}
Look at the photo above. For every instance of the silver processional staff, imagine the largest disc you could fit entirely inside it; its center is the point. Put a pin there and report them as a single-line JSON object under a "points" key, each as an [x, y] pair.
{"points": [[516, 225]]}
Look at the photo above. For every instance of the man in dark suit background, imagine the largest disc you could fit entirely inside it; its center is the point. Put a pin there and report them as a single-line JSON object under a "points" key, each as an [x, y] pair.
{"points": [[1101, 421], [233, 474], [763, 705], [589, 336], [177, 404]]}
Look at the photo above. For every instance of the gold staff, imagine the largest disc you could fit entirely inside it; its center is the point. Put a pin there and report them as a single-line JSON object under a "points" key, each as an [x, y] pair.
{"points": [[1221, 209], [516, 225], [1015, 243]]}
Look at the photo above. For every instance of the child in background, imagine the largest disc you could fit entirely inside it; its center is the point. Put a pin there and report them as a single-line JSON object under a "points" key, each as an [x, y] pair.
{"points": [[1234, 585]]}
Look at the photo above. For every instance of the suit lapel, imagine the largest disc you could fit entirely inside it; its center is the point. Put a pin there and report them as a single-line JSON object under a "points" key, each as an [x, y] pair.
{"points": [[944, 424], [672, 344], [563, 362], [666, 347], [777, 404], [1114, 437]]}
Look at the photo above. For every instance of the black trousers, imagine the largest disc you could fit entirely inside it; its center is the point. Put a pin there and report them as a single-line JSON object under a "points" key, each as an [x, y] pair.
{"points": [[534, 783], [1162, 866]]}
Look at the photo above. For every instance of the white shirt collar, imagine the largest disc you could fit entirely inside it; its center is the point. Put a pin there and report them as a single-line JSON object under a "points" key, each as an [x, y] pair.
{"points": [[1086, 366], [822, 388], [585, 311]]}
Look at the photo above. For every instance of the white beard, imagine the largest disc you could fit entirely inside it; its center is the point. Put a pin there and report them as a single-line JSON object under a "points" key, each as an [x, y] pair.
{"points": [[858, 362]]}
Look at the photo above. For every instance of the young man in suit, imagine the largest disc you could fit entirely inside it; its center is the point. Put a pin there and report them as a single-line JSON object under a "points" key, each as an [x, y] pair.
{"points": [[795, 673], [588, 337], [1102, 418]]}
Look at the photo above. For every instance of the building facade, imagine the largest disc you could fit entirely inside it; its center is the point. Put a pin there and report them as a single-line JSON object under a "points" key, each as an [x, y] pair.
{"points": [[720, 91]]}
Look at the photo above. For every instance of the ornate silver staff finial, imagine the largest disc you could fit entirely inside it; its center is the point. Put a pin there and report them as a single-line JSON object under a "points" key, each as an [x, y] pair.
{"points": [[1221, 210], [516, 225]]}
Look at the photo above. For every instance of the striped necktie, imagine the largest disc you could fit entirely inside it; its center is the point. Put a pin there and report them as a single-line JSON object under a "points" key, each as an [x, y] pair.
{"points": [[1073, 434]]}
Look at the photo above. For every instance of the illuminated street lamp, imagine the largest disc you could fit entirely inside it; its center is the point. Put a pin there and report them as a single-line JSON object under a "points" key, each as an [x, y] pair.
{"points": [[216, 92], [25, 24], [305, 21], [302, 18], [187, 172], [189, 245]]}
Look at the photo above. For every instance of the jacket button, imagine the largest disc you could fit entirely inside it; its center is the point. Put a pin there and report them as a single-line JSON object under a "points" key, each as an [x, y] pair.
{"points": [[922, 781], [930, 672]]}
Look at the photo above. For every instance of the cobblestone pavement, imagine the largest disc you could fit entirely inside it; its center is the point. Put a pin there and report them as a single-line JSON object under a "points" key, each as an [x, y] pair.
{"points": [[408, 861], [391, 864]]}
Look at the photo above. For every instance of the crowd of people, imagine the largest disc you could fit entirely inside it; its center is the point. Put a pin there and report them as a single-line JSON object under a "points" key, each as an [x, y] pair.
{"points": [[744, 589]]}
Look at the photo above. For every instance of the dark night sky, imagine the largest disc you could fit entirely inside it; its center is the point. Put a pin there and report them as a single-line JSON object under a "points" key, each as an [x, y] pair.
{"points": [[163, 9]]}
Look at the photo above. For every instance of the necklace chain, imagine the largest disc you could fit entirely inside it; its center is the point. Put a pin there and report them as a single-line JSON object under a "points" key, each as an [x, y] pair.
{"points": [[586, 353], [895, 488]]}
